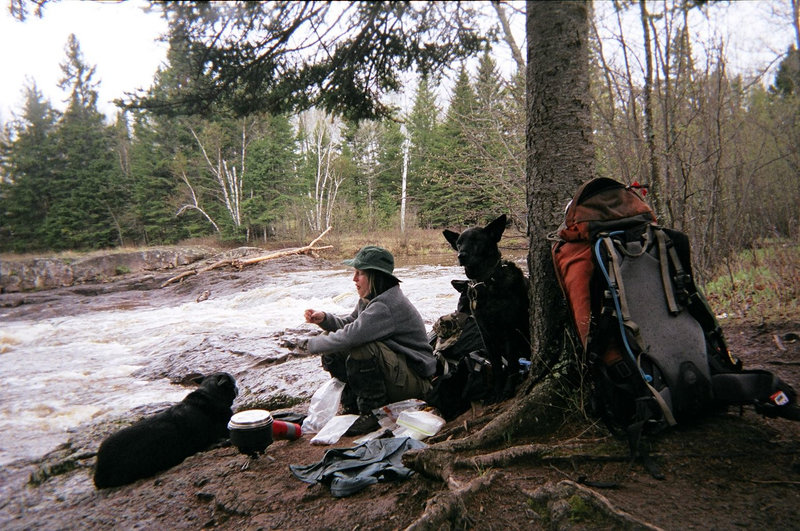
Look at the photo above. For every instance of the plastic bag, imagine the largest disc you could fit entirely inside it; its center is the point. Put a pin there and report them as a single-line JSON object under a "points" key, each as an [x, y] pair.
{"points": [[419, 424], [393, 410], [334, 429], [324, 405]]}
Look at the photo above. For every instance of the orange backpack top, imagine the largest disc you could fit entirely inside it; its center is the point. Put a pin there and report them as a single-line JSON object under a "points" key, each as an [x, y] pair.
{"points": [[597, 205]]}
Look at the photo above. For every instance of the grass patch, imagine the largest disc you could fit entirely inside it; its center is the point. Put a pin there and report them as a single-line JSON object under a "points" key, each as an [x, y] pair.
{"points": [[583, 511], [760, 284], [412, 242]]}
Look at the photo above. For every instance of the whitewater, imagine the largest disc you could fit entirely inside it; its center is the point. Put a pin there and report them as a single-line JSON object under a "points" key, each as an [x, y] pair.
{"points": [[87, 366]]}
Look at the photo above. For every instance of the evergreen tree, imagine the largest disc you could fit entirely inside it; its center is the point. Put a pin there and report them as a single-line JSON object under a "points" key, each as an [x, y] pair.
{"points": [[360, 156], [497, 137], [422, 123], [787, 80], [389, 171], [87, 192], [254, 65], [154, 187], [26, 192], [162, 145], [272, 185], [372, 156], [451, 198]]}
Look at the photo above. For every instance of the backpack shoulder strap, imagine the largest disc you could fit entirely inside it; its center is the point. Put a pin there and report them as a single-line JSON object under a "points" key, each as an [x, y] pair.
{"points": [[612, 273], [665, 249]]}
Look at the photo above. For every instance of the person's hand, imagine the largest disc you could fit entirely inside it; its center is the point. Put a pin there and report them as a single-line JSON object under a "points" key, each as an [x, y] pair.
{"points": [[315, 317]]}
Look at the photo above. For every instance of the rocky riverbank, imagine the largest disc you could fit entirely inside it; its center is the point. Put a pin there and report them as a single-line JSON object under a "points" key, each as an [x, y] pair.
{"points": [[726, 472], [29, 274]]}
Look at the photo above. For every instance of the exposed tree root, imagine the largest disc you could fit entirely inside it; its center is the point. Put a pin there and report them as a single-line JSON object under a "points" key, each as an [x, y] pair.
{"points": [[531, 452], [568, 502], [240, 264], [539, 411], [451, 506], [463, 429]]}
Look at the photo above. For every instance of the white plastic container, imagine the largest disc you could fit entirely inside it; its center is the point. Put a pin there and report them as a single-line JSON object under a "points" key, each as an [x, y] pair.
{"points": [[424, 423]]}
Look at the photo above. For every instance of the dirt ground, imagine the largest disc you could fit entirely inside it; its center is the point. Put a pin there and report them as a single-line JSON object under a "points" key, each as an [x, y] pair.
{"points": [[735, 470]]}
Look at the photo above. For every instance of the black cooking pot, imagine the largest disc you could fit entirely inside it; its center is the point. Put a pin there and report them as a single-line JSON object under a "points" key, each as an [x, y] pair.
{"points": [[251, 431]]}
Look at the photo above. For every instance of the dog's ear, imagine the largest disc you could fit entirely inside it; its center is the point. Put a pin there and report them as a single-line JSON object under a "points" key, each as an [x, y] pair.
{"points": [[451, 237], [495, 228], [460, 285]]}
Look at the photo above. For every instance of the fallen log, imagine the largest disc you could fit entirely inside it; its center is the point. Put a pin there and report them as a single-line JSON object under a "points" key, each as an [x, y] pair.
{"points": [[240, 264]]}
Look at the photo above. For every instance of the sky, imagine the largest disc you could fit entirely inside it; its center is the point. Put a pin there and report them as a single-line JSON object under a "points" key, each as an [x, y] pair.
{"points": [[121, 40], [117, 37]]}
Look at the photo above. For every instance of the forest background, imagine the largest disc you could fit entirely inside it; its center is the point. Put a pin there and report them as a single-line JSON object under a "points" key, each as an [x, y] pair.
{"points": [[719, 149]]}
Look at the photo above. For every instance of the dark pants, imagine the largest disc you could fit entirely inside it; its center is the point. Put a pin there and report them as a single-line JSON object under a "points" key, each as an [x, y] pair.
{"points": [[375, 376]]}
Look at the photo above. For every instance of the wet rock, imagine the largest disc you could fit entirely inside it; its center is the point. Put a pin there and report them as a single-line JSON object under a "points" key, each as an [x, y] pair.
{"points": [[48, 273]]}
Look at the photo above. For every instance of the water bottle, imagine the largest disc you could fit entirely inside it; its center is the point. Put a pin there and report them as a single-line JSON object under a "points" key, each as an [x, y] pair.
{"points": [[286, 430]]}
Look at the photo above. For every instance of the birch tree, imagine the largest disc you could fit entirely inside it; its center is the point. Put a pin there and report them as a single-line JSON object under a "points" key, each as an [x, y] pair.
{"points": [[320, 147], [225, 160]]}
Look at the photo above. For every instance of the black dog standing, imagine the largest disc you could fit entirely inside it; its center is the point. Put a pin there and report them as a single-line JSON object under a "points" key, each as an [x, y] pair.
{"points": [[162, 441], [497, 296]]}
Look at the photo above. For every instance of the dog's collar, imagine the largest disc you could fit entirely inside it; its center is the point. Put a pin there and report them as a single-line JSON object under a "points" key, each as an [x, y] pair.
{"points": [[489, 276], [472, 286]]}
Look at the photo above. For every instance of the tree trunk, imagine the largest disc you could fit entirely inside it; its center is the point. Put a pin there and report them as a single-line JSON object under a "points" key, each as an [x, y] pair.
{"points": [[560, 152], [649, 130], [560, 157], [404, 184]]}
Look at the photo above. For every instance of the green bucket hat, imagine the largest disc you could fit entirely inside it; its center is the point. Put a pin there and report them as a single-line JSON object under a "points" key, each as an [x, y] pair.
{"points": [[373, 257]]}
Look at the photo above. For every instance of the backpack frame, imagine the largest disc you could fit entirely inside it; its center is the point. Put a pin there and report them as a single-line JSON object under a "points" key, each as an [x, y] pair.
{"points": [[654, 350]]}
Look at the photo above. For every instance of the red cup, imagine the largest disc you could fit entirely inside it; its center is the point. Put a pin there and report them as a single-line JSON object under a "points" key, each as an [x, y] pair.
{"points": [[286, 430]]}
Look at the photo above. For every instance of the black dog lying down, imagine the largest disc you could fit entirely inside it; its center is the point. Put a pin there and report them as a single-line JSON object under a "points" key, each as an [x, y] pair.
{"points": [[162, 441], [497, 296]]}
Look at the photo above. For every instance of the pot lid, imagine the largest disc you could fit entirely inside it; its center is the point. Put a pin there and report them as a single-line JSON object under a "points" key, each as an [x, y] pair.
{"points": [[252, 418]]}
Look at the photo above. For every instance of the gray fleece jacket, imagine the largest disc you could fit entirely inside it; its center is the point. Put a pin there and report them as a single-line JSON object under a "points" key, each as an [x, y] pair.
{"points": [[391, 318]]}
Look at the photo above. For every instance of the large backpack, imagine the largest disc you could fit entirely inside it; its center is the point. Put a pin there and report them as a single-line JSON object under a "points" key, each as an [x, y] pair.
{"points": [[654, 349]]}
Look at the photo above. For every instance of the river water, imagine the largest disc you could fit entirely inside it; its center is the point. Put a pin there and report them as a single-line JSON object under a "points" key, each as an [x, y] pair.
{"points": [[60, 372]]}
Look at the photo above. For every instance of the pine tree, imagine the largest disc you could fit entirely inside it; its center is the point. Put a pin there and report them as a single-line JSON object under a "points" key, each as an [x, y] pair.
{"points": [[154, 188], [26, 195], [787, 80], [389, 171], [422, 123], [497, 138], [451, 198], [87, 196], [372, 156], [272, 185]]}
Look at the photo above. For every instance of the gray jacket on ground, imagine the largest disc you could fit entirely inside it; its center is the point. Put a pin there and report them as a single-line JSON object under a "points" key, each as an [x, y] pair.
{"points": [[391, 318]]}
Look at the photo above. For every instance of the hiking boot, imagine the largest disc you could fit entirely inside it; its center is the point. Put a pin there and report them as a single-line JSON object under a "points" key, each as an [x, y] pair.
{"points": [[349, 401], [363, 424], [349, 410]]}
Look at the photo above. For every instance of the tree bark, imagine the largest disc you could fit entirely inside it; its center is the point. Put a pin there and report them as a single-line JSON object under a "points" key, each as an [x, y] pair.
{"points": [[560, 152]]}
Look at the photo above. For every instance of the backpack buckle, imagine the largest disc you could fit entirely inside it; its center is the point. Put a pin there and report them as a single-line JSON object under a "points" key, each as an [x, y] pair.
{"points": [[621, 370]]}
